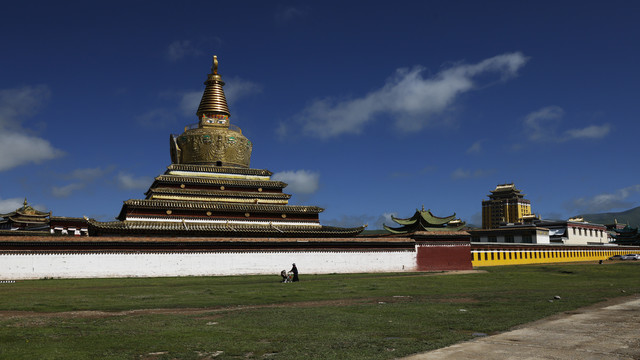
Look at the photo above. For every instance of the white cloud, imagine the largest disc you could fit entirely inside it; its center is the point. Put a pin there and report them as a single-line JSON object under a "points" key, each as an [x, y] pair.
{"points": [[19, 149], [476, 219], [16, 145], [409, 98], [590, 132], [460, 173], [189, 102], [237, 88], [82, 178], [476, 147], [67, 190], [129, 182], [18, 103], [89, 174], [180, 49], [604, 202], [542, 125], [300, 182], [9, 205]]}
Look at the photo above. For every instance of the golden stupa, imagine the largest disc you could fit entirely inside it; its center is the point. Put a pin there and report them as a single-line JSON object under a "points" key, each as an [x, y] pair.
{"points": [[214, 141]]}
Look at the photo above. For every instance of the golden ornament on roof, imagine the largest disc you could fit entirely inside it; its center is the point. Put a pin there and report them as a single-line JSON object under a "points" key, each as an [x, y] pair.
{"points": [[214, 141]]}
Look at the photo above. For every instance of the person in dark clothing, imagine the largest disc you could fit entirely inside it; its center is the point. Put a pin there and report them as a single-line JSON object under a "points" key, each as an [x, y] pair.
{"points": [[294, 270]]}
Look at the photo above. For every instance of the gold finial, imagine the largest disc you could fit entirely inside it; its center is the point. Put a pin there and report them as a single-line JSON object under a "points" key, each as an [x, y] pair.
{"points": [[214, 68]]}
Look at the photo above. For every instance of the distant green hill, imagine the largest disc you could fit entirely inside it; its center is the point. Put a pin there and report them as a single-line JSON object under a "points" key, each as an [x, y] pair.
{"points": [[631, 216]]}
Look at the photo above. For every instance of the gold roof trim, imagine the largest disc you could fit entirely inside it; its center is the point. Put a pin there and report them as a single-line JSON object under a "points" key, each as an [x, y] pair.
{"points": [[174, 204], [176, 179], [220, 199], [226, 193], [219, 169]]}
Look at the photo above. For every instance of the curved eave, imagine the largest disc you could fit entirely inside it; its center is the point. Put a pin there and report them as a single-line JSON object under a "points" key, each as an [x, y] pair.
{"points": [[400, 230], [434, 220], [409, 221], [28, 220], [419, 228]]}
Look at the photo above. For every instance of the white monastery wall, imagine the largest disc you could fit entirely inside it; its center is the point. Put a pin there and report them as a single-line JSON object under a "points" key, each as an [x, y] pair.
{"points": [[577, 235], [538, 238], [109, 265]]}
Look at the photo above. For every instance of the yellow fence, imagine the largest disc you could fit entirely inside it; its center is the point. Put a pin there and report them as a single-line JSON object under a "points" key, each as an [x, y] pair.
{"points": [[496, 257]]}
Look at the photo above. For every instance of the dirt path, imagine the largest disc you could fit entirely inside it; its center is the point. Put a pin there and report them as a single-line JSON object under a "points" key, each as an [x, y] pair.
{"points": [[195, 311], [191, 311]]}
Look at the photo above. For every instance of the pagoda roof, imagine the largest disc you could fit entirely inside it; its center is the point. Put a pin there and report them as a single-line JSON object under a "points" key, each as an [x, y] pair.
{"points": [[426, 216], [407, 229], [26, 211], [506, 190], [505, 187], [23, 219], [219, 206], [179, 179], [209, 229], [224, 193], [425, 221], [218, 169]]}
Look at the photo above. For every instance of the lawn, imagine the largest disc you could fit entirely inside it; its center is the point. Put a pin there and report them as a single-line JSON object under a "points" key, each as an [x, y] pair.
{"points": [[356, 316]]}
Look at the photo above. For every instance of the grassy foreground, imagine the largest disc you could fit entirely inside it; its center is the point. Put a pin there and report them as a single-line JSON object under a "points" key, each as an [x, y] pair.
{"points": [[359, 316]]}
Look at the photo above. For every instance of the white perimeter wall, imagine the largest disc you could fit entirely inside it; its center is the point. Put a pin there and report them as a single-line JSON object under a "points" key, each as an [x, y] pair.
{"points": [[109, 265]]}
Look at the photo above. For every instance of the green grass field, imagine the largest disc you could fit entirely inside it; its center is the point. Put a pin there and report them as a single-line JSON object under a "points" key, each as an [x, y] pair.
{"points": [[357, 316]]}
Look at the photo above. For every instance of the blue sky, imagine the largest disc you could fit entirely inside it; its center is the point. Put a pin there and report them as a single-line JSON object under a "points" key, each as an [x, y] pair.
{"points": [[366, 108]]}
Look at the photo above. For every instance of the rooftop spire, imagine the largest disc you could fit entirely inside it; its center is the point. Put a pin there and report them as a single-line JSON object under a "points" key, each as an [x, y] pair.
{"points": [[214, 68], [213, 103]]}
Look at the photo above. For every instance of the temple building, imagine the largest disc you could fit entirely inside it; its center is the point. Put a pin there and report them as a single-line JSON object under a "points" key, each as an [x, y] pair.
{"points": [[626, 236], [506, 204], [25, 218], [211, 213], [425, 221], [210, 190]]}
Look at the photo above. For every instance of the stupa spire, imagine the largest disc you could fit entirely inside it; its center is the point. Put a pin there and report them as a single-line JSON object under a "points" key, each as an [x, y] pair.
{"points": [[214, 141], [213, 105]]}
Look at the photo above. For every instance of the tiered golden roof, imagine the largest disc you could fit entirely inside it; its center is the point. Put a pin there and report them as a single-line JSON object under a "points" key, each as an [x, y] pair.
{"points": [[210, 190], [213, 100], [214, 141]]}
